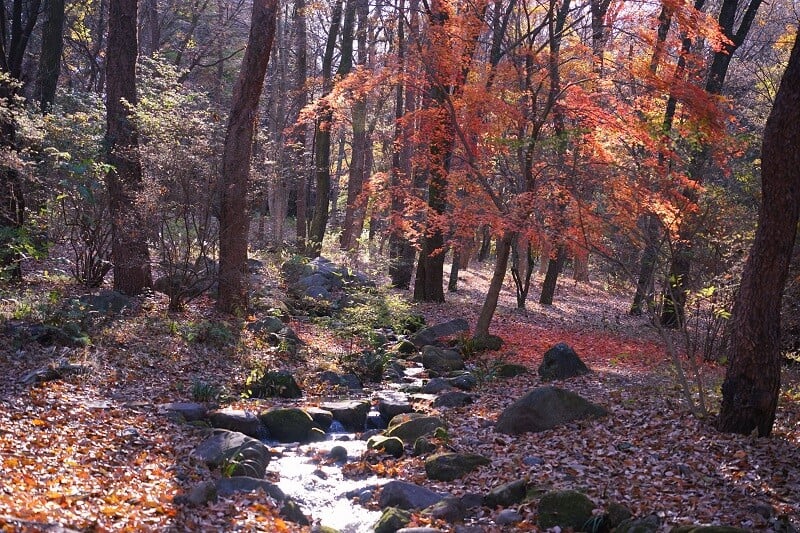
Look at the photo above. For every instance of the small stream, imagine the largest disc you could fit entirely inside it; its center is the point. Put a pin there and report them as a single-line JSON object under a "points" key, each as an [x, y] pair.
{"points": [[321, 490]]}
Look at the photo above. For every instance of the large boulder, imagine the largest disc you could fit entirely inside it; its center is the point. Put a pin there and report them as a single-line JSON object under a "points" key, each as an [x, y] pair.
{"points": [[451, 466], [545, 408], [409, 427], [288, 424], [352, 414], [431, 334], [390, 445], [236, 453], [561, 362], [565, 509], [238, 420], [441, 360], [408, 496]]}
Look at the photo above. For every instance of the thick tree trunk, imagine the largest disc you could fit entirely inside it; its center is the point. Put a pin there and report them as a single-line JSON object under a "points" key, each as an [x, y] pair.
{"points": [[234, 219], [752, 381], [129, 251], [495, 286], [581, 265], [554, 267], [50, 61]]}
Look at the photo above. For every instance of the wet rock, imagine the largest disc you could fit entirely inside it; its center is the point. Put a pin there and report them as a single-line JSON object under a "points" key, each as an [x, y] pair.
{"points": [[238, 420], [561, 362], [545, 408], [431, 334], [321, 417], [292, 512], [391, 405], [227, 486], [239, 454], [441, 360], [375, 421], [408, 496], [409, 427], [451, 466], [390, 445], [392, 520], [565, 509], [507, 494], [453, 399], [351, 414], [338, 454], [287, 424]]}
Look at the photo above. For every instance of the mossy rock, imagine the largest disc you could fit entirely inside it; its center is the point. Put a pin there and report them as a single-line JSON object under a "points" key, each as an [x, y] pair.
{"points": [[511, 370], [422, 446], [506, 494], [452, 466], [392, 519], [288, 424], [408, 427], [390, 445], [565, 509], [262, 384]]}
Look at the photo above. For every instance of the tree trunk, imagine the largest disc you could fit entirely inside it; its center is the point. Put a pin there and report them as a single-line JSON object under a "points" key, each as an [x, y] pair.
{"points": [[581, 265], [234, 220], [522, 267], [50, 60], [752, 381], [647, 266], [495, 286], [297, 139], [554, 267], [129, 251], [452, 283]]}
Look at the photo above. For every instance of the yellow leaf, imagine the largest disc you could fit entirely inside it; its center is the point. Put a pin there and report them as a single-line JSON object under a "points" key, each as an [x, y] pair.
{"points": [[38, 422]]}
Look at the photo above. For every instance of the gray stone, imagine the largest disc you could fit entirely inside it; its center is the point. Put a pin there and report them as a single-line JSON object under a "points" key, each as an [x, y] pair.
{"points": [[391, 405], [420, 529], [507, 494], [561, 362], [273, 383], [349, 381], [648, 524], [441, 360], [453, 399], [465, 381], [409, 427], [288, 424], [266, 325], [450, 509], [189, 411], [423, 446], [545, 408], [200, 494], [227, 486], [435, 386], [405, 347], [452, 466], [408, 496], [431, 334], [238, 420], [510, 370], [352, 414], [106, 302], [338, 453], [506, 517], [239, 454], [565, 509]]}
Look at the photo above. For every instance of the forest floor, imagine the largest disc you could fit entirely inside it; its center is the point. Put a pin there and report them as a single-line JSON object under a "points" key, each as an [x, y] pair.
{"points": [[94, 452]]}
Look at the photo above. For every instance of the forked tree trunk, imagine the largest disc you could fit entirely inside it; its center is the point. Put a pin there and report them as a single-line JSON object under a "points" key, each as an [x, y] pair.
{"points": [[129, 251], [752, 381], [234, 219]]}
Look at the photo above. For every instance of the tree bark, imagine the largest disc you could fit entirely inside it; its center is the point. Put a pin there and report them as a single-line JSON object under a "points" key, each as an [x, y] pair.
{"points": [[495, 285], [129, 250], [297, 138], [234, 221], [554, 267], [752, 381], [50, 60], [647, 266]]}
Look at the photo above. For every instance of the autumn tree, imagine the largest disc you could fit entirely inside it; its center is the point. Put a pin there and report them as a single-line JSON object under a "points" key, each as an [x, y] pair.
{"points": [[234, 218], [752, 381]]}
